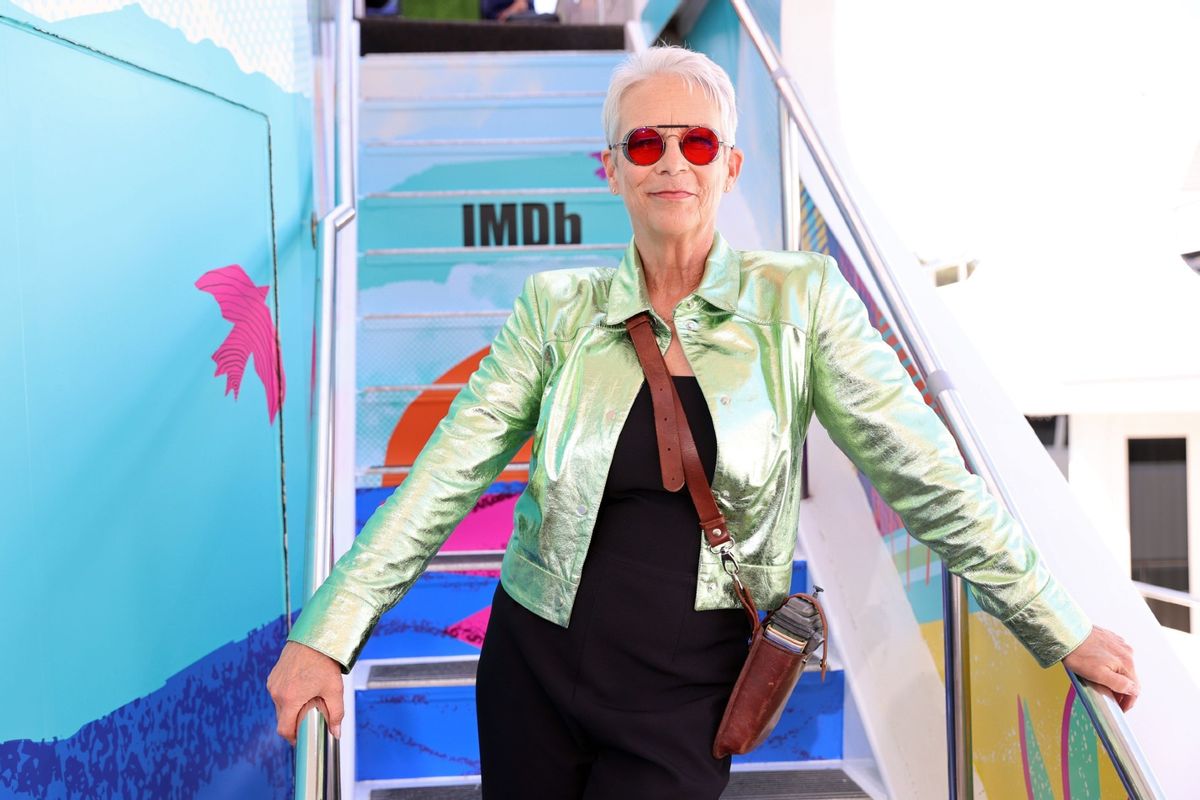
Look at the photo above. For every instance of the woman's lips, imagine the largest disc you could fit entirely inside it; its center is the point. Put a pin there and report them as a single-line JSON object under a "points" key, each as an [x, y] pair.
{"points": [[671, 195]]}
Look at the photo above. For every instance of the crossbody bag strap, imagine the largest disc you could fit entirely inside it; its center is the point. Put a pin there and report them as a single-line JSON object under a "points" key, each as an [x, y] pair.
{"points": [[673, 428], [666, 426]]}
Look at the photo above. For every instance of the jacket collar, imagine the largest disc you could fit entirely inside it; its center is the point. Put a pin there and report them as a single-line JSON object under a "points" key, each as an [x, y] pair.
{"points": [[720, 284]]}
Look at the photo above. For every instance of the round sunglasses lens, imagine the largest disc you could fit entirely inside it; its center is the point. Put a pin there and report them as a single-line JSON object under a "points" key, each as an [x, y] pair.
{"points": [[644, 146], [700, 145]]}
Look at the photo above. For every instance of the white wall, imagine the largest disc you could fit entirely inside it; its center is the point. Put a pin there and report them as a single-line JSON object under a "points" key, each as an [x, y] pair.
{"points": [[1099, 476]]}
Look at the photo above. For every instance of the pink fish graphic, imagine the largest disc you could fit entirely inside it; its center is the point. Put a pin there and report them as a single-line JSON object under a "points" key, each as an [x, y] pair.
{"points": [[253, 334]]}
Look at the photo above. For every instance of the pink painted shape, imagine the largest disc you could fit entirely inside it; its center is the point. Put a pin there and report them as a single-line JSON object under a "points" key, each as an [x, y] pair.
{"points": [[487, 527], [482, 573], [1024, 749], [600, 172], [1065, 744], [907, 562], [253, 334], [471, 629]]}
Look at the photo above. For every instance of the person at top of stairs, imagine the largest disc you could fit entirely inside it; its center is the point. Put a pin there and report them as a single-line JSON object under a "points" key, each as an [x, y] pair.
{"points": [[616, 636]]}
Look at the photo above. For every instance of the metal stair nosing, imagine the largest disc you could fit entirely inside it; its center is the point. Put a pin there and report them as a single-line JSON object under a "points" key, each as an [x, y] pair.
{"points": [[448, 671], [824, 780]]}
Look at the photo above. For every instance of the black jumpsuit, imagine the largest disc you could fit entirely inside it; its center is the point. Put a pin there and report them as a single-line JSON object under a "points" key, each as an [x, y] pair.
{"points": [[624, 703]]}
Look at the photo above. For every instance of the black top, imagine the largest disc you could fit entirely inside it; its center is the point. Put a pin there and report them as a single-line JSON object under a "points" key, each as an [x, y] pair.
{"points": [[638, 516], [635, 640]]}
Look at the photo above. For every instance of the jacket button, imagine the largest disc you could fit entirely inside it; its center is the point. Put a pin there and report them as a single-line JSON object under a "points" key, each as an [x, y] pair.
{"points": [[581, 509], [724, 399], [691, 324]]}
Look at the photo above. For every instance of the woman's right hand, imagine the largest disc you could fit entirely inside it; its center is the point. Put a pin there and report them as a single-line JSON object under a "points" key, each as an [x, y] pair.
{"points": [[304, 678]]}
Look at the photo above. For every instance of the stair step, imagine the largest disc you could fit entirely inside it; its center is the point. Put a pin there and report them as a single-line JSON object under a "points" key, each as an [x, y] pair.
{"points": [[459, 672], [463, 562], [386, 75], [488, 278], [454, 672], [483, 117], [382, 35], [430, 731], [444, 614], [562, 163], [825, 784], [787, 784], [495, 219]]}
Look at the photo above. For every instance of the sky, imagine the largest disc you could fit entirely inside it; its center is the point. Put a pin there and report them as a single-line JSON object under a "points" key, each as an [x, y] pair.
{"points": [[1078, 118], [1052, 142]]}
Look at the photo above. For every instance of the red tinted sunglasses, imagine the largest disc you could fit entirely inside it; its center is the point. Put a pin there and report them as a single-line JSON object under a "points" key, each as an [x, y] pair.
{"points": [[645, 146]]}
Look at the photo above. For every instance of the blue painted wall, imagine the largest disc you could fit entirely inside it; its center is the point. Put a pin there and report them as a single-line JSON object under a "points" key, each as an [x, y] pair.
{"points": [[142, 511], [751, 215]]}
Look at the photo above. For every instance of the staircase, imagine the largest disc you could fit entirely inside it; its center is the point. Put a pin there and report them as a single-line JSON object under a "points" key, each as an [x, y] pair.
{"points": [[477, 169]]}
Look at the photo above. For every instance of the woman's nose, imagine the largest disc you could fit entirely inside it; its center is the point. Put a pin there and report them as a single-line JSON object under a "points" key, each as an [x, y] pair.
{"points": [[672, 160]]}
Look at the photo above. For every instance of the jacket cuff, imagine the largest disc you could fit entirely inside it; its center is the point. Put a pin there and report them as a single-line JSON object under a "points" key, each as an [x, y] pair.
{"points": [[335, 622], [1051, 625]]}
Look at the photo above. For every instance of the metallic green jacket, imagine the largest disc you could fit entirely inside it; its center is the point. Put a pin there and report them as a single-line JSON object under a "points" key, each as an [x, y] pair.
{"points": [[772, 338]]}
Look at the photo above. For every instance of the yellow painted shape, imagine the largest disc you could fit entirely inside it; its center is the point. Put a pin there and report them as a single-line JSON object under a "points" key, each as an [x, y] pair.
{"points": [[1001, 672]]}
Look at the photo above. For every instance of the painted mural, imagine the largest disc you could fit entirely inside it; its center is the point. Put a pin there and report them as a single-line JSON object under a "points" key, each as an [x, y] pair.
{"points": [[1029, 737], [159, 292]]}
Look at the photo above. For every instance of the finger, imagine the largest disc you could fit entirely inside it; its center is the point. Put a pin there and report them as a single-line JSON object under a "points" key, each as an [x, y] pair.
{"points": [[299, 718], [1131, 671], [334, 712], [285, 718], [1121, 684]]}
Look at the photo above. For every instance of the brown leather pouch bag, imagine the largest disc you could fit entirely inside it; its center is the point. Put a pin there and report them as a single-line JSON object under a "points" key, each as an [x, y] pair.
{"points": [[764, 686], [777, 655]]}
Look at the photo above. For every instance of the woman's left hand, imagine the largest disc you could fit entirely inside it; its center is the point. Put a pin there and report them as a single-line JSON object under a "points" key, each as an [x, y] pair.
{"points": [[1107, 659]]}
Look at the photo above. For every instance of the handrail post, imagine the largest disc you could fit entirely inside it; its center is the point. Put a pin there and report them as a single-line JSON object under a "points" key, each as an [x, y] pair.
{"points": [[960, 774], [318, 753], [789, 186]]}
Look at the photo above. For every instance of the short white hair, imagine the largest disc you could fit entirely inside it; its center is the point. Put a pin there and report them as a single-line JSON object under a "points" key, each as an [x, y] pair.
{"points": [[695, 68]]}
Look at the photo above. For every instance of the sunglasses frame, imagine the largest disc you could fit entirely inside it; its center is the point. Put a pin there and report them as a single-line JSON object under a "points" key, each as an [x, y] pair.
{"points": [[624, 143]]}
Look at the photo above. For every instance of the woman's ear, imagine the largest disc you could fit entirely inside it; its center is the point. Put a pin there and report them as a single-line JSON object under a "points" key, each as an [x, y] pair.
{"points": [[735, 167], [610, 167]]}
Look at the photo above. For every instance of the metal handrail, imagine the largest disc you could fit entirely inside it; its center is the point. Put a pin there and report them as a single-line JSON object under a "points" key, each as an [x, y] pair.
{"points": [[1106, 715], [318, 754]]}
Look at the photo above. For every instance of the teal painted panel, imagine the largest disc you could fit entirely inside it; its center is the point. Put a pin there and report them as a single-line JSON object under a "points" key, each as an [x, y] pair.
{"points": [[391, 352], [147, 523], [655, 17], [751, 217], [441, 74], [769, 14], [568, 164], [455, 118], [146, 43], [491, 220]]}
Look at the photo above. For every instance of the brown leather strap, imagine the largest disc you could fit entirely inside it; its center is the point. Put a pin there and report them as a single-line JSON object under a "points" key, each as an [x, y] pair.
{"points": [[712, 521], [673, 428], [662, 390]]}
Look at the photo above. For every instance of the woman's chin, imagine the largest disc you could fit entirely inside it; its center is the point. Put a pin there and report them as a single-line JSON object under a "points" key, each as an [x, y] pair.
{"points": [[674, 225]]}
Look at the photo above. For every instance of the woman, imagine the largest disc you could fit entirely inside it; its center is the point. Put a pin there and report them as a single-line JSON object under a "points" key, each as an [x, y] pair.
{"points": [[615, 636]]}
